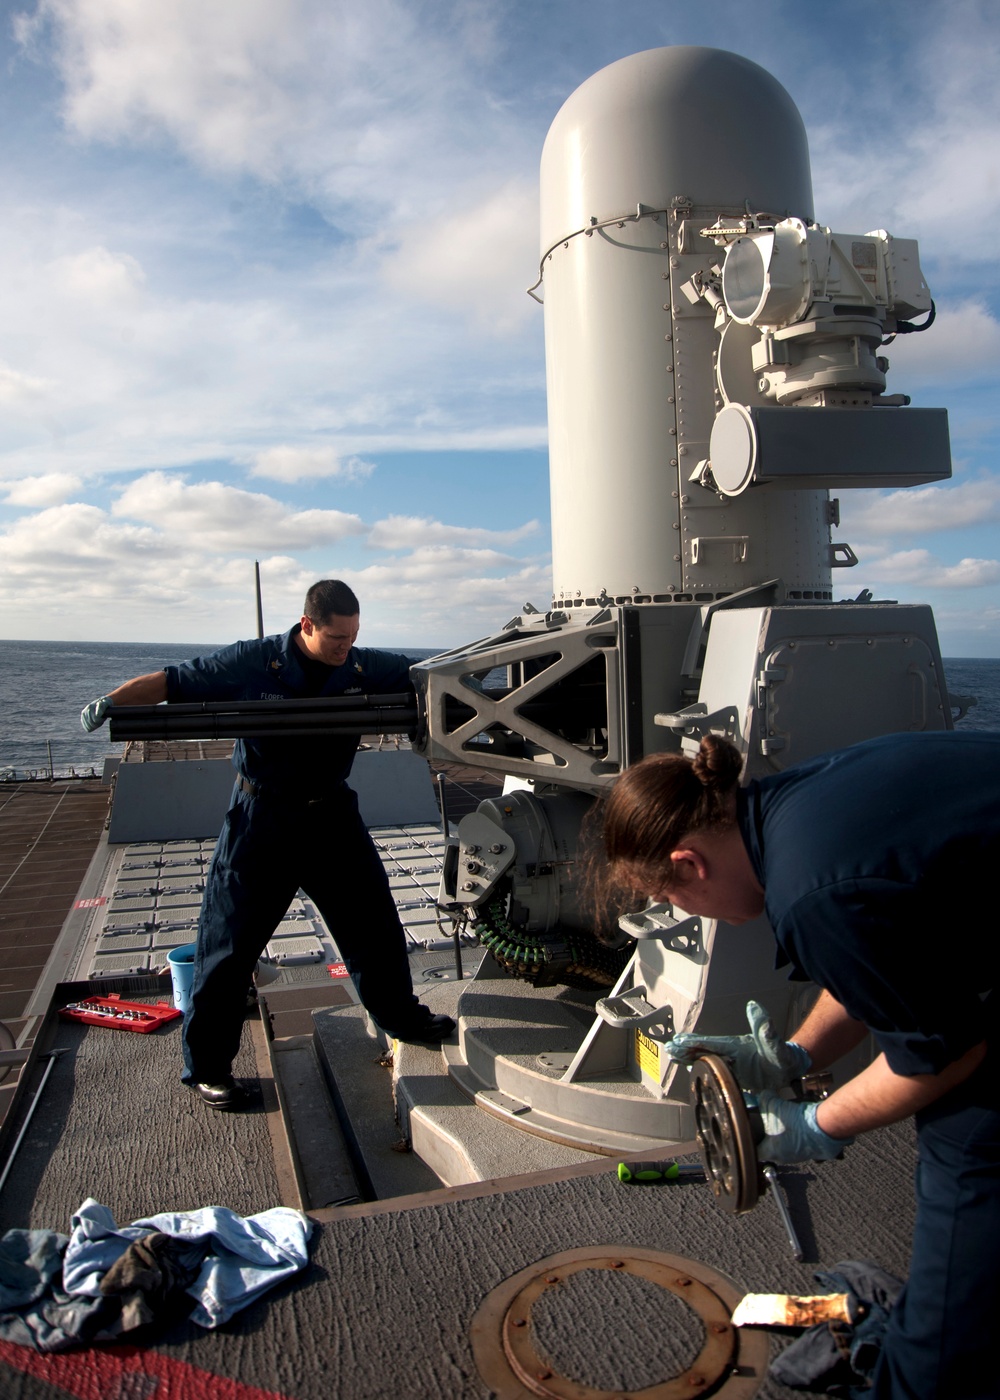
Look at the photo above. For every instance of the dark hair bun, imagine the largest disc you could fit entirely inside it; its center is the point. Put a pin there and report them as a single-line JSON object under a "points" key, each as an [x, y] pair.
{"points": [[717, 764]]}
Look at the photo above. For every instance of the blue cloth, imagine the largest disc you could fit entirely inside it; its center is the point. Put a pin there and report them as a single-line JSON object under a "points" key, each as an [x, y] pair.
{"points": [[30, 1262], [876, 862], [248, 1254], [300, 829], [50, 1285], [840, 1358]]}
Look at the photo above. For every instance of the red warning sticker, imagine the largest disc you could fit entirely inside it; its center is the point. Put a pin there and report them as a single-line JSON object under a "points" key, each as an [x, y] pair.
{"points": [[337, 969], [91, 903]]}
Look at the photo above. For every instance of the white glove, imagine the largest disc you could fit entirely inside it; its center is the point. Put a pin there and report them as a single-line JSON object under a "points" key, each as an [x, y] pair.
{"points": [[760, 1060], [92, 716]]}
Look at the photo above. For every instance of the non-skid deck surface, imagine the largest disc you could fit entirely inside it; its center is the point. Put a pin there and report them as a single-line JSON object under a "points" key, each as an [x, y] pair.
{"points": [[385, 1309], [116, 1123], [48, 832]]}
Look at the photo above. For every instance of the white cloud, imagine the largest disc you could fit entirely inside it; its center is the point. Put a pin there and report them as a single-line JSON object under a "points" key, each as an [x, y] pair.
{"points": [[212, 75], [219, 517], [919, 566], [922, 509], [962, 345], [313, 91], [16, 388], [95, 274], [928, 165], [49, 490], [477, 260], [432, 565], [417, 532], [303, 463], [75, 541], [472, 595]]}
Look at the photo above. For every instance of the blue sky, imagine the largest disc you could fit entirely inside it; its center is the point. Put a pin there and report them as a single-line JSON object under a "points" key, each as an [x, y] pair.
{"points": [[263, 297]]}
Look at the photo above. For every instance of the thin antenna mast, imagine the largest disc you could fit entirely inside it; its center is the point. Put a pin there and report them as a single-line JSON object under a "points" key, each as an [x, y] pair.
{"points": [[260, 611]]}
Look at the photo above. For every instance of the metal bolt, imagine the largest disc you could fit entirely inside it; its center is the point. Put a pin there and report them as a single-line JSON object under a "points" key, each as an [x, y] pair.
{"points": [[468, 886], [497, 850], [664, 245]]}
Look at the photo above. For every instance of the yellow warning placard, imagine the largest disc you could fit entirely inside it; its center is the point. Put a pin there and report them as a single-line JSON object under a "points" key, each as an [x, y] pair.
{"points": [[647, 1054]]}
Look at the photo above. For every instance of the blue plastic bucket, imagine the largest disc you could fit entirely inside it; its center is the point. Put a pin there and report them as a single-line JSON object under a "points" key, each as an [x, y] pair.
{"points": [[181, 964]]}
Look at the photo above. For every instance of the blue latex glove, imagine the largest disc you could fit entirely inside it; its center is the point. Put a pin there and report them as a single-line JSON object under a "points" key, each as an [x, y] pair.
{"points": [[792, 1133], [760, 1060], [94, 714]]}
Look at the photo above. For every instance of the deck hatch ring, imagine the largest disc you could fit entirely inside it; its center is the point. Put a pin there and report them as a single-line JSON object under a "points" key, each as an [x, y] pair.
{"points": [[731, 1364]]}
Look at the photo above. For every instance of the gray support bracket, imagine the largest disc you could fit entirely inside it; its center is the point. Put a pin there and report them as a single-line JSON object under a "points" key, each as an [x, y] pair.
{"points": [[694, 722], [605, 1048], [657, 923], [631, 1011]]}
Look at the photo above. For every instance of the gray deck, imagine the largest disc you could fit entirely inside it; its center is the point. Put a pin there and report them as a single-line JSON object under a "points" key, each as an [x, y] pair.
{"points": [[385, 1308]]}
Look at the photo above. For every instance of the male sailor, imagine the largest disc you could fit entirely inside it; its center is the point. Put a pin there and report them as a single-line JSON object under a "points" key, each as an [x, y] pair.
{"points": [[876, 866], [292, 822]]}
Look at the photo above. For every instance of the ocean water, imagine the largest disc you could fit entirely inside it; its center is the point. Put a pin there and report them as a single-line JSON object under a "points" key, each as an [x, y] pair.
{"points": [[45, 685]]}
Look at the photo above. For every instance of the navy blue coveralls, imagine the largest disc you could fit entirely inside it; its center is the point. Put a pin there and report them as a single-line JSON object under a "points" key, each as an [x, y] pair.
{"points": [[293, 822], [876, 863]]}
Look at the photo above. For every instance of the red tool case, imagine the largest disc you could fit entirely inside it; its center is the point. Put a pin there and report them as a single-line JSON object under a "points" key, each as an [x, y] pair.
{"points": [[111, 1011]]}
